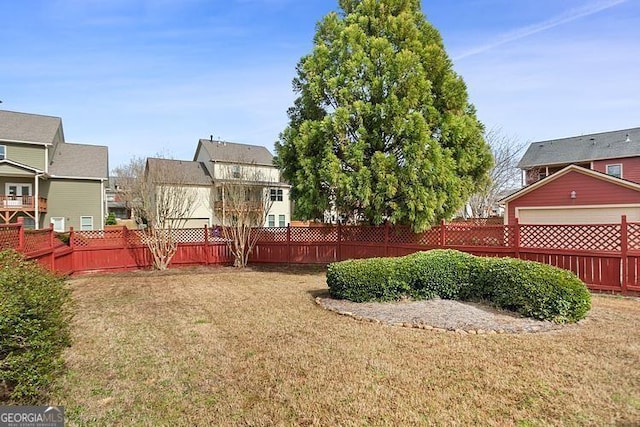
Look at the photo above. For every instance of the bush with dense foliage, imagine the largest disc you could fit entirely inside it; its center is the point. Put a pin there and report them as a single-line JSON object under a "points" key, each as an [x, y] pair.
{"points": [[532, 289], [34, 328]]}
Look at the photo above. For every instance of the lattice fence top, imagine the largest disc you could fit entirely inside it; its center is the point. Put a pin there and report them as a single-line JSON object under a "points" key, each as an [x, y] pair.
{"points": [[633, 235], [605, 237], [405, 235], [36, 240], [470, 235], [271, 234], [9, 237], [98, 238], [363, 234], [327, 234]]}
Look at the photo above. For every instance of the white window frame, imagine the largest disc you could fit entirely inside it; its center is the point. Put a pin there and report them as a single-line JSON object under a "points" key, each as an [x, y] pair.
{"points": [[271, 220], [55, 219], [18, 185], [3, 152], [276, 195], [282, 220], [82, 226], [611, 165]]}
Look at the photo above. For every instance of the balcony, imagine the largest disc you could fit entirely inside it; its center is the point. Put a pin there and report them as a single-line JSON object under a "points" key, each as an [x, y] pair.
{"points": [[10, 206]]}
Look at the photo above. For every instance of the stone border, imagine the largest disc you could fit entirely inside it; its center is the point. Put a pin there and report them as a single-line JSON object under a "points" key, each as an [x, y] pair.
{"points": [[424, 326]]}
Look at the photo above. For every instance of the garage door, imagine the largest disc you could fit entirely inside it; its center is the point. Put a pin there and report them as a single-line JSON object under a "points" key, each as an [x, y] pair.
{"points": [[582, 215]]}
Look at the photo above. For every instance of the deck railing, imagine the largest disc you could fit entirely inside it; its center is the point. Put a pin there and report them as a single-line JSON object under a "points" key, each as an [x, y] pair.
{"points": [[22, 203]]}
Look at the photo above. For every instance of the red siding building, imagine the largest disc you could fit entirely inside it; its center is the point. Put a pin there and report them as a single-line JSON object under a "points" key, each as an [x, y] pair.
{"points": [[575, 195]]}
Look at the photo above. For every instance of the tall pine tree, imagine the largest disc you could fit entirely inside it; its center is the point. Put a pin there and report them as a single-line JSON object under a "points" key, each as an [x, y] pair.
{"points": [[382, 128]]}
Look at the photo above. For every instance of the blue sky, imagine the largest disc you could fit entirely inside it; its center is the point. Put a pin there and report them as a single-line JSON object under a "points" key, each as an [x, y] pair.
{"points": [[149, 76]]}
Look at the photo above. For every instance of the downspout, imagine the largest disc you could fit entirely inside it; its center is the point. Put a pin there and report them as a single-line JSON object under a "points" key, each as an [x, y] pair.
{"points": [[102, 204], [36, 200]]}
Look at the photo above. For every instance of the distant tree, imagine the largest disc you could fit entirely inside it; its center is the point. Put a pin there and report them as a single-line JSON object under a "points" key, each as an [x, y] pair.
{"points": [[241, 201], [161, 200], [504, 175], [381, 128]]}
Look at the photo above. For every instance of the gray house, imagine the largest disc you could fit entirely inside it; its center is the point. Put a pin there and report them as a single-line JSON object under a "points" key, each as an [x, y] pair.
{"points": [[45, 180]]}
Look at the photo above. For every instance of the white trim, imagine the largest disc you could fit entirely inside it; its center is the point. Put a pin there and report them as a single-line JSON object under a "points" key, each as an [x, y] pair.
{"points": [[102, 205], [46, 159], [606, 169], [20, 165], [78, 177], [26, 142], [4, 155], [574, 207]]}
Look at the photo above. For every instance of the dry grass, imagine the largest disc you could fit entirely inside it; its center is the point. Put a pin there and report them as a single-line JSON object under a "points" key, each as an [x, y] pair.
{"points": [[221, 347]]}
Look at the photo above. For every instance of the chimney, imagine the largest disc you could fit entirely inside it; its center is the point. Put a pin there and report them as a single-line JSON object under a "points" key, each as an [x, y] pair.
{"points": [[627, 139], [210, 138]]}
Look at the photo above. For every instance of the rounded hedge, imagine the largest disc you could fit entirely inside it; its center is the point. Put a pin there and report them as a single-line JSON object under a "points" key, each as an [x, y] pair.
{"points": [[34, 328], [529, 288]]}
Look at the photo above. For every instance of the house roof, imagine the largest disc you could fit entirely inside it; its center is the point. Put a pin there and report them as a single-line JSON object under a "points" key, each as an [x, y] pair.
{"points": [[184, 171], [584, 148], [231, 152], [80, 160], [28, 127], [566, 170]]}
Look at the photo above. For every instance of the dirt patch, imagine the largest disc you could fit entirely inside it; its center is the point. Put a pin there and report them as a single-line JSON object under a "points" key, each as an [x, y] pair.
{"points": [[439, 314]]}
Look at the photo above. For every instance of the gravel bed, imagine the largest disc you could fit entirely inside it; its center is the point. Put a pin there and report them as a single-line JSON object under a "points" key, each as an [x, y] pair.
{"points": [[440, 314]]}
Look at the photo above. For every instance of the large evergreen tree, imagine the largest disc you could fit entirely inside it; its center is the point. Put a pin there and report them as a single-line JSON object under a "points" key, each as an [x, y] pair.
{"points": [[382, 128]]}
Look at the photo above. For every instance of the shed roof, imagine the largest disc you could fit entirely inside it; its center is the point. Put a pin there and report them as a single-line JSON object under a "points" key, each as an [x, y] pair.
{"points": [[584, 148], [28, 127]]}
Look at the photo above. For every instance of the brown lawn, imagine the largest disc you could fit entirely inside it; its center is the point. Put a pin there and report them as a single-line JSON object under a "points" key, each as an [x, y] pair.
{"points": [[223, 347]]}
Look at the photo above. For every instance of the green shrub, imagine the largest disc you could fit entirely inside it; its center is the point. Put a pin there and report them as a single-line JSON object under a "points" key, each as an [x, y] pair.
{"points": [[111, 219], [372, 279], [532, 289], [34, 328], [440, 272]]}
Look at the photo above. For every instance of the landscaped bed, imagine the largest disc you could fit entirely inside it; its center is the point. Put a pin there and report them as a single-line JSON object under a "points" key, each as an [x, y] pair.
{"points": [[228, 347]]}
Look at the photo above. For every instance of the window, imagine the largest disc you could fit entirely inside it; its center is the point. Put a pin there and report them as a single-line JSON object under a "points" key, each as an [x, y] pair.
{"points": [[271, 220], [615, 170], [281, 221], [86, 223], [3, 152], [58, 224], [236, 171], [276, 194]]}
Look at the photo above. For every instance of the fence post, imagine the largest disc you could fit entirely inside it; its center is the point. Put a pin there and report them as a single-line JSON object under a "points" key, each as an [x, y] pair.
{"points": [[206, 244], [20, 233], [339, 246], [289, 243], [443, 233], [386, 238], [516, 237], [51, 234], [624, 249], [71, 238]]}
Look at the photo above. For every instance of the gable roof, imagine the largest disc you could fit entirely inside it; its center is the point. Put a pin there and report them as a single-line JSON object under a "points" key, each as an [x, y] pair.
{"points": [[80, 160], [572, 168], [189, 172], [28, 127], [585, 148], [231, 152]]}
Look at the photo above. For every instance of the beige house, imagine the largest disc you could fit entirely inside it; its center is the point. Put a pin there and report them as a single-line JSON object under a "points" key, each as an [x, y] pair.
{"points": [[45, 180], [220, 167]]}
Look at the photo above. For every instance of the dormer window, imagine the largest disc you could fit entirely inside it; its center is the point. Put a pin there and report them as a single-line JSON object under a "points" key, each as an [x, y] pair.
{"points": [[236, 171], [615, 170], [3, 152]]}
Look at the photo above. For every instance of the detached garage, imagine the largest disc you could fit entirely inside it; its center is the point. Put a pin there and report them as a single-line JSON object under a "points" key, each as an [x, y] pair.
{"points": [[575, 195]]}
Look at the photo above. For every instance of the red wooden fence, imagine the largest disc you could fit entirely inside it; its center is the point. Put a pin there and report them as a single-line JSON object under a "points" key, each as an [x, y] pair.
{"points": [[605, 256]]}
